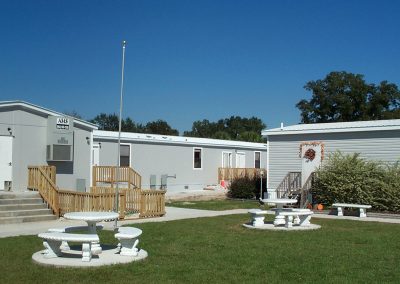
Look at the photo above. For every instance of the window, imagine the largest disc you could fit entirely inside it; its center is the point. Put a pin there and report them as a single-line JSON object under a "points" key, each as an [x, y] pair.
{"points": [[257, 160], [197, 157], [125, 156], [240, 160], [226, 159]]}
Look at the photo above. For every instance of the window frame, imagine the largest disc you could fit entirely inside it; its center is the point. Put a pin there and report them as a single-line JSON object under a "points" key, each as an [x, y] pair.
{"points": [[230, 158], [130, 154], [255, 159], [201, 158], [239, 153]]}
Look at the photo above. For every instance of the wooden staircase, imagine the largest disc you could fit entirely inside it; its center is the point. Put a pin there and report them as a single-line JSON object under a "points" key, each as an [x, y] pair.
{"points": [[290, 187], [23, 207]]}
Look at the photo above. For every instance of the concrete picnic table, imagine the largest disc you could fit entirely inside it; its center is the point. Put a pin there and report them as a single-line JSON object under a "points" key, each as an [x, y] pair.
{"points": [[91, 218], [279, 202]]}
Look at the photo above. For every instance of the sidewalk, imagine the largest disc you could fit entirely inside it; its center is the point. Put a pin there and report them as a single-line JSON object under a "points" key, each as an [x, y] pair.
{"points": [[173, 213]]}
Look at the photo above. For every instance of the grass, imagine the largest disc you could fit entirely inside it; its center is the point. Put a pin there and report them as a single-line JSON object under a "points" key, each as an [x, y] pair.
{"points": [[221, 250], [218, 205]]}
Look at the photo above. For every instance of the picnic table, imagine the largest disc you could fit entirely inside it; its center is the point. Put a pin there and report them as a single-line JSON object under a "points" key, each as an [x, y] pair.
{"points": [[91, 218], [279, 202]]}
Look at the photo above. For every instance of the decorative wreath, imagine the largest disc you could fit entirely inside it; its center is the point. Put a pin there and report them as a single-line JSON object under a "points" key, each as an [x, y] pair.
{"points": [[313, 144], [310, 154]]}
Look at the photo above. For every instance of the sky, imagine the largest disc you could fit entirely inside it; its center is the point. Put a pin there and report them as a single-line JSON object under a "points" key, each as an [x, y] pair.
{"points": [[189, 60]]}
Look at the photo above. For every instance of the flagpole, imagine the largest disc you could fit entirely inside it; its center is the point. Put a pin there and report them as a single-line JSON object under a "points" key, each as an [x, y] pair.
{"points": [[119, 134]]}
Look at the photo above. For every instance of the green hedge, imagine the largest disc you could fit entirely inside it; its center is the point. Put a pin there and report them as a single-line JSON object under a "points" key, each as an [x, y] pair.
{"points": [[352, 179]]}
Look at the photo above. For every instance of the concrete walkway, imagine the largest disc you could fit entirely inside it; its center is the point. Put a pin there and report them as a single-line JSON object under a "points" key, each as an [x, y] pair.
{"points": [[173, 213]]}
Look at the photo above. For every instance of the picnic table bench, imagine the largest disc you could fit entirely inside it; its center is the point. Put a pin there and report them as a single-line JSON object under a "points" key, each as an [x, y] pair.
{"points": [[71, 229], [362, 207], [257, 217], [302, 217], [52, 242], [128, 240]]}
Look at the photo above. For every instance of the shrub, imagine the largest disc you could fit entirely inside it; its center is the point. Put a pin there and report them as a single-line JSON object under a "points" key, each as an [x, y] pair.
{"points": [[351, 179], [246, 187]]}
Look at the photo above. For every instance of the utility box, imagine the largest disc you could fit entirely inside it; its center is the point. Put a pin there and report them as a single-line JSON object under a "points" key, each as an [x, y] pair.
{"points": [[153, 181], [7, 185], [60, 138], [164, 181], [81, 185]]}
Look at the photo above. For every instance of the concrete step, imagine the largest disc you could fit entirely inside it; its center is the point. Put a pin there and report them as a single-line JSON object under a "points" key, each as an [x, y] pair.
{"points": [[14, 207], [21, 201], [23, 219], [18, 213], [25, 194]]}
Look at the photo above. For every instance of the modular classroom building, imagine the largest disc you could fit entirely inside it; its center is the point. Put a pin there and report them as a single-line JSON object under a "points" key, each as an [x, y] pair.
{"points": [[32, 136], [377, 140], [177, 163]]}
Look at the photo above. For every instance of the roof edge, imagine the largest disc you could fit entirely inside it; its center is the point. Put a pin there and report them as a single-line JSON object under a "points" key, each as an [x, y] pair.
{"points": [[40, 109], [166, 139]]}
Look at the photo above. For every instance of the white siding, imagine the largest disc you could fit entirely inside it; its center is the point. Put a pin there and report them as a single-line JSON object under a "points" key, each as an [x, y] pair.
{"points": [[284, 149]]}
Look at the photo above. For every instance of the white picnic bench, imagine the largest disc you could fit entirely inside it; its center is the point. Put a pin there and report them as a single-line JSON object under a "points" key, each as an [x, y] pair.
{"points": [[301, 217], [128, 240], [52, 242], [72, 229], [363, 208], [257, 217], [292, 216]]}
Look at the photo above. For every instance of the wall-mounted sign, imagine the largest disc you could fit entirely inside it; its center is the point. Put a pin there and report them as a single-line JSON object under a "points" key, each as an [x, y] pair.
{"points": [[62, 123]]}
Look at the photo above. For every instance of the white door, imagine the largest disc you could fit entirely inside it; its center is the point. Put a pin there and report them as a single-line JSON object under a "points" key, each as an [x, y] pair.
{"points": [[311, 154], [240, 160], [96, 155], [5, 160]]}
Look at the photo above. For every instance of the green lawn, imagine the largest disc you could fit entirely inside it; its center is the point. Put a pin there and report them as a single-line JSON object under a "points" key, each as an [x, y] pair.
{"points": [[218, 205], [221, 250]]}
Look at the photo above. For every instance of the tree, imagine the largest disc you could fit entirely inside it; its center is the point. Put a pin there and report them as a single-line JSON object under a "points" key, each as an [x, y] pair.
{"points": [[128, 125], [160, 127], [73, 113], [233, 128], [108, 122], [385, 102], [205, 128], [223, 135], [343, 96], [250, 136]]}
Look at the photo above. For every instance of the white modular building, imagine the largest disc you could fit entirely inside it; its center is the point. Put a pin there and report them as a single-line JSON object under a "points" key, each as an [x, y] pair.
{"points": [[31, 135], [288, 145], [177, 163]]}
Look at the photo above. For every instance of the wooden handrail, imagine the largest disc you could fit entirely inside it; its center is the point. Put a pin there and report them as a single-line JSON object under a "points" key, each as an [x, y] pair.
{"points": [[148, 203], [290, 183], [228, 174], [41, 178], [305, 190], [108, 174], [152, 203]]}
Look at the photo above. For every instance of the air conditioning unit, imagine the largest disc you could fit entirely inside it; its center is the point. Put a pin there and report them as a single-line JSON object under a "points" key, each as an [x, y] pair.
{"points": [[60, 139], [59, 152]]}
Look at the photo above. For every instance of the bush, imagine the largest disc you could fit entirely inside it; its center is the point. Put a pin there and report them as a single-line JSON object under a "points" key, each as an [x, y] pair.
{"points": [[351, 179], [246, 187]]}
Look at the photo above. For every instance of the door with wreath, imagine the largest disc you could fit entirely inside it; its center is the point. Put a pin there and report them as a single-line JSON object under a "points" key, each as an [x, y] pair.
{"points": [[311, 154]]}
